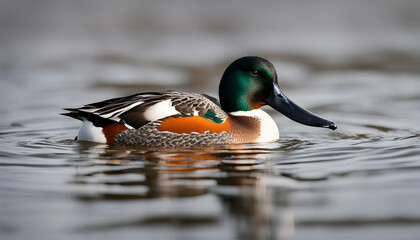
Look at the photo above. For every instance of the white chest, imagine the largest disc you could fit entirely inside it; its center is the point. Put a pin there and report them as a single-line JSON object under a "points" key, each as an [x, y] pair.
{"points": [[268, 128]]}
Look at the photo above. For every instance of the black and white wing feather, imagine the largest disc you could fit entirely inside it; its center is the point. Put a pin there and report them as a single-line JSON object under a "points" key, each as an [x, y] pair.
{"points": [[139, 109]]}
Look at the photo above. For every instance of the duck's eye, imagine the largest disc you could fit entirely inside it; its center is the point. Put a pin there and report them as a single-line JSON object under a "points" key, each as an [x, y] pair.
{"points": [[255, 72]]}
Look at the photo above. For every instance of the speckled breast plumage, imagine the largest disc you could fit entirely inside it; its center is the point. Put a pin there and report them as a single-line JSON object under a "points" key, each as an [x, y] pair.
{"points": [[149, 136]]}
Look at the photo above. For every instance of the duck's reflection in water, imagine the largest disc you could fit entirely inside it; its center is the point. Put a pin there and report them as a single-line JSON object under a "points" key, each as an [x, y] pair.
{"points": [[238, 175]]}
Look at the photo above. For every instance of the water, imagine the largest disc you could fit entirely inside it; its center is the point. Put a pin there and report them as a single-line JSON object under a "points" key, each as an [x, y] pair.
{"points": [[336, 59]]}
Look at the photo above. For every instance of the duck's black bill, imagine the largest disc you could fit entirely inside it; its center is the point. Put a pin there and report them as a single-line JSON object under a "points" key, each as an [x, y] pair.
{"points": [[281, 103]]}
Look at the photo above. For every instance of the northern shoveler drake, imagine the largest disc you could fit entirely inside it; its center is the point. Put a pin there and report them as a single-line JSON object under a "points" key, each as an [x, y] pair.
{"points": [[179, 119]]}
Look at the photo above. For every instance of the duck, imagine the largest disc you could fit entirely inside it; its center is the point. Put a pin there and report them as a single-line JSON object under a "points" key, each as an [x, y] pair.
{"points": [[173, 119]]}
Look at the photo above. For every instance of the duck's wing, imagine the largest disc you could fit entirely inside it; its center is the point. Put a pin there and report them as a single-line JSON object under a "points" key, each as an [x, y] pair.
{"points": [[139, 109]]}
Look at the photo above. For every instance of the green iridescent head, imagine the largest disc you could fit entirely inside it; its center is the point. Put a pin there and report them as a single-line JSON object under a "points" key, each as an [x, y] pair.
{"points": [[246, 84], [251, 82]]}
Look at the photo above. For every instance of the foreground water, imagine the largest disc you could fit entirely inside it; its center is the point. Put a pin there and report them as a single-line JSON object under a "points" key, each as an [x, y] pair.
{"points": [[361, 181]]}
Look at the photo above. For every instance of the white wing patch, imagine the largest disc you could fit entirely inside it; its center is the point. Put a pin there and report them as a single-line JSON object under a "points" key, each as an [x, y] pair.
{"points": [[160, 110], [114, 115]]}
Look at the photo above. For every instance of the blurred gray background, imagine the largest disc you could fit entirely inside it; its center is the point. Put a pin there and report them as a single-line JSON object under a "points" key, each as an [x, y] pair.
{"points": [[191, 32]]}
